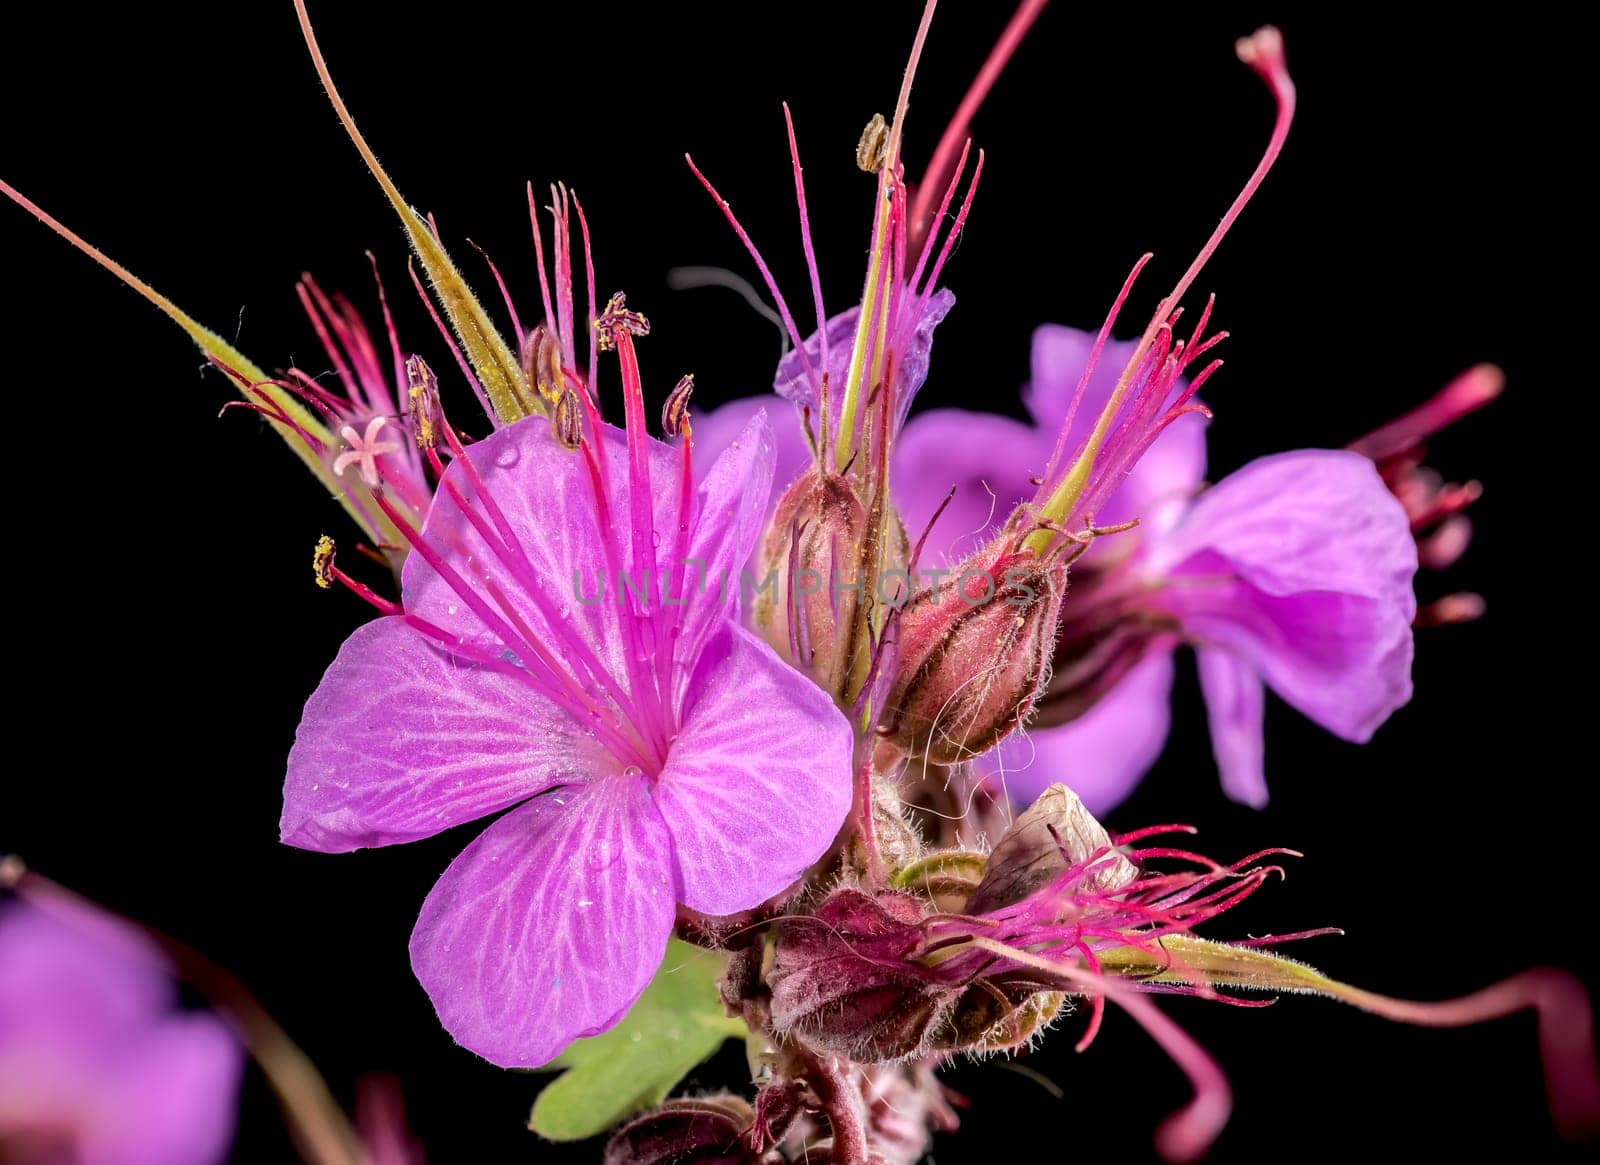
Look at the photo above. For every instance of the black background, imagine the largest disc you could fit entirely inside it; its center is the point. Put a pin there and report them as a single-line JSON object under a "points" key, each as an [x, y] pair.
{"points": [[165, 629]]}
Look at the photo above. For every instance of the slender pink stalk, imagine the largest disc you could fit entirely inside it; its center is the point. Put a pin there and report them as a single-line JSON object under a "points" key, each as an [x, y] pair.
{"points": [[939, 167], [1185, 1135], [761, 265], [1467, 393], [1566, 1034], [805, 238]]}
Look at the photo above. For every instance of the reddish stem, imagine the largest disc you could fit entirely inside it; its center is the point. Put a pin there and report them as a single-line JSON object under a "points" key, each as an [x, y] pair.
{"points": [[841, 1103], [939, 167]]}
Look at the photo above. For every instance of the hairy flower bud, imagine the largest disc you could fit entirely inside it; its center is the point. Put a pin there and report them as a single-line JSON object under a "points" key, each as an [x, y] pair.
{"points": [[809, 579], [974, 653], [992, 1016], [704, 1131], [947, 878], [1055, 834], [844, 979], [896, 842]]}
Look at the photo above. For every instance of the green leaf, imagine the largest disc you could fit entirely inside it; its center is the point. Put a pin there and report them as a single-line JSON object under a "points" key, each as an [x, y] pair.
{"points": [[677, 1023]]}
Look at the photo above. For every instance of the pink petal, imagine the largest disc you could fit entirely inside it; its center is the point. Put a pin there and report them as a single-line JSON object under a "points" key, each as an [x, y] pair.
{"points": [[1307, 520], [911, 368], [987, 458], [401, 740], [559, 554], [550, 924], [757, 782], [1057, 360], [91, 1041], [1235, 708], [1301, 564], [721, 427], [77, 972], [173, 1099], [558, 572], [1102, 754], [716, 430], [731, 510]]}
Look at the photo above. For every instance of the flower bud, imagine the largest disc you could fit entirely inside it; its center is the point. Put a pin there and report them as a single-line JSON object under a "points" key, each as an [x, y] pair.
{"points": [[1055, 834], [947, 878], [974, 653], [895, 840], [844, 979], [993, 1016], [706, 1131], [809, 579]]}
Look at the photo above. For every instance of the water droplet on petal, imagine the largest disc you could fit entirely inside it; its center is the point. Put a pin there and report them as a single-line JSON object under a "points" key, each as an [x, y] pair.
{"points": [[508, 456]]}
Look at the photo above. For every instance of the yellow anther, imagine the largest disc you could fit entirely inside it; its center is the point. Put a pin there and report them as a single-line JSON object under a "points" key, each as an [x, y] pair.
{"points": [[322, 562]]}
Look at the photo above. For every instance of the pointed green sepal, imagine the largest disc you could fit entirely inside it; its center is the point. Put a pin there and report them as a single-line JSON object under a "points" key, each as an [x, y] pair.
{"points": [[947, 879], [492, 359], [247, 374], [1184, 960]]}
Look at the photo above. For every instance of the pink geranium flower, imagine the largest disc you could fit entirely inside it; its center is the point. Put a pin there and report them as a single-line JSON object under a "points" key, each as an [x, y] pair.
{"points": [[98, 1065], [1293, 573], [568, 650]]}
